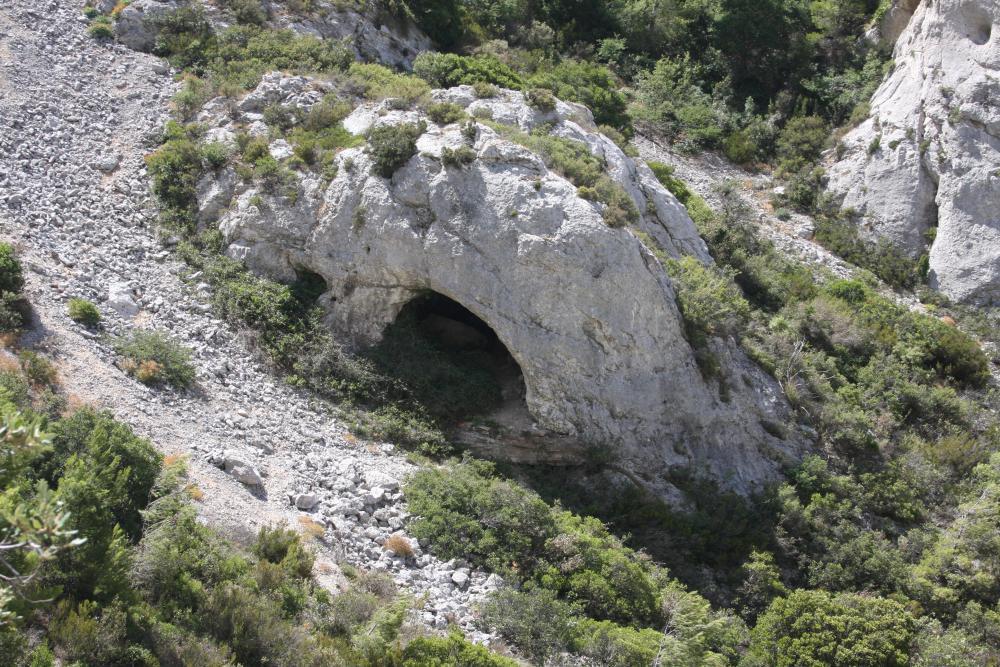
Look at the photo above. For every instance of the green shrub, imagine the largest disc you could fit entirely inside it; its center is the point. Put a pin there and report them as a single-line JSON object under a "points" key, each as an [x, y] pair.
{"points": [[589, 84], [485, 90], [37, 369], [535, 621], [669, 97], [408, 428], [801, 141], [14, 388], [457, 157], [392, 146], [444, 70], [841, 237], [445, 113], [11, 312], [817, 628], [175, 169], [250, 12], [740, 148], [11, 273], [710, 302], [100, 28], [379, 83], [283, 546], [541, 99], [451, 651], [469, 512], [154, 358], [83, 311]]}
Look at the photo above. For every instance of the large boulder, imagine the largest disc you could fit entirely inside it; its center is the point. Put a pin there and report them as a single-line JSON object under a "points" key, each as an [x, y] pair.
{"points": [[586, 310], [927, 157]]}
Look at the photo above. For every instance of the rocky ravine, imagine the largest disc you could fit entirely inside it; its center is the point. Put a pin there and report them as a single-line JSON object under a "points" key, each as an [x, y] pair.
{"points": [[925, 167], [76, 118]]}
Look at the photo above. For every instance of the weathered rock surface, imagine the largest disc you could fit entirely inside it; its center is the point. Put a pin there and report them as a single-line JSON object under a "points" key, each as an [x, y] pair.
{"points": [[391, 40], [586, 310], [929, 154]]}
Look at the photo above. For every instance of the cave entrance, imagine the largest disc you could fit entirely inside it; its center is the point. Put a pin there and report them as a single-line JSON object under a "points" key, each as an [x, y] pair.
{"points": [[452, 362]]}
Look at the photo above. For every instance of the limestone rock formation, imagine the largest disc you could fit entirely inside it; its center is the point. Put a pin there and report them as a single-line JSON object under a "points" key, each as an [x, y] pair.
{"points": [[928, 157], [585, 309]]}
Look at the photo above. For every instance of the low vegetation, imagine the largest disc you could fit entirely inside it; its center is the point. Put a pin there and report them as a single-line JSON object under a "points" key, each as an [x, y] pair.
{"points": [[392, 146], [580, 588], [154, 358], [83, 311]]}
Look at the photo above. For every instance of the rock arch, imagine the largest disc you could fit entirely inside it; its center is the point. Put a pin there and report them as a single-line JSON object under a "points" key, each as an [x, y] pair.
{"points": [[585, 309]]}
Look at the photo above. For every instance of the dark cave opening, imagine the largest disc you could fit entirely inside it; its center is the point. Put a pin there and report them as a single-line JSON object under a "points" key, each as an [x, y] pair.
{"points": [[451, 361]]}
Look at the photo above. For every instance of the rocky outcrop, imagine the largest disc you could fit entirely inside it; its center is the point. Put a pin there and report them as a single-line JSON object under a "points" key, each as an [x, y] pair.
{"points": [[927, 157], [391, 40], [585, 309]]}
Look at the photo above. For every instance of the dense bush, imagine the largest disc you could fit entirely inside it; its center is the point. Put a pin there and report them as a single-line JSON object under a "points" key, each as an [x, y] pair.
{"points": [[589, 84], [709, 300], [146, 582], [376, 82], [154, 358], [392, 146], [83, 311], [236, 58], [11, 273], [444, 70], [11, 284], [817, 628], [450, 651], [445, 113]]}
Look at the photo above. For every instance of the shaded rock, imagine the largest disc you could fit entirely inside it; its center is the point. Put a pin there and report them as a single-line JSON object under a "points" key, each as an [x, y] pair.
{"points": [[136, 24]]}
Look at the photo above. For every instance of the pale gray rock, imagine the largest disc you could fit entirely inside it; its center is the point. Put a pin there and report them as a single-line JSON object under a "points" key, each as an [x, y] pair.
{"points": [[121, 299], [896, 18], [929, 154], [586, 310], [306, 501], [214, 192]]}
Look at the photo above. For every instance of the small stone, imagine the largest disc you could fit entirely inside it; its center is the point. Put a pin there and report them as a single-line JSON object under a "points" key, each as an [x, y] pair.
{"points": [[306, 501]]}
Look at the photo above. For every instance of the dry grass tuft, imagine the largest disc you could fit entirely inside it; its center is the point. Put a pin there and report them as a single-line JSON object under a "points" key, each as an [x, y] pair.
{"points": [[399, 545], [10, 364], [312, 528], [195, 492]]}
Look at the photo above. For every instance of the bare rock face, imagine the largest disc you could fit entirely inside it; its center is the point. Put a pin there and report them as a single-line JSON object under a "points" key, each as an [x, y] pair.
{"points": [[585, 309], [929, 154]]}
